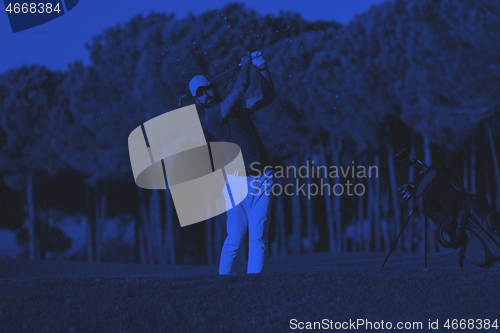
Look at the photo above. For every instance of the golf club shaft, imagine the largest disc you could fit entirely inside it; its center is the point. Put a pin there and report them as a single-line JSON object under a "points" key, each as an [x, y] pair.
{"points": [[230, 69], [422, 164]]}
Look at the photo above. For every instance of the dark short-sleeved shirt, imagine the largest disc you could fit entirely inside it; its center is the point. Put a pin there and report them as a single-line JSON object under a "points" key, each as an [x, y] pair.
{"points": [[240, 129]]}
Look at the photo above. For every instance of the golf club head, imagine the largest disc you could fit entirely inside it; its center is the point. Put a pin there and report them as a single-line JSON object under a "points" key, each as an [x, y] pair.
{"points": [[408, 196], [413, 161], [402, 155], [402, 189], [406, 191]]}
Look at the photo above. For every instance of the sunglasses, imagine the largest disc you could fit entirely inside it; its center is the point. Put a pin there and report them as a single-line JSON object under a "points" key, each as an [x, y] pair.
{"points": [[202, 89]]}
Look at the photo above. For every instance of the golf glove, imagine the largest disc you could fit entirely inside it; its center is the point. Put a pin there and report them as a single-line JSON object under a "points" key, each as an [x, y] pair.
{"points": [[258, 60]]}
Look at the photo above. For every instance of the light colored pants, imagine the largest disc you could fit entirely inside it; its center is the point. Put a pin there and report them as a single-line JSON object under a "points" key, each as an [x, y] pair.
{"points": [[254, 213]]}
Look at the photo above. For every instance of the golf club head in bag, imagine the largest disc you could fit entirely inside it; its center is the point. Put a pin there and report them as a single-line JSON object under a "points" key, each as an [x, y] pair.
{"points": [[406, 191]]}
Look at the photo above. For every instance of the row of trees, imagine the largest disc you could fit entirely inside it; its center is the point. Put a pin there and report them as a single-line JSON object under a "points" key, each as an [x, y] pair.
{"points": [[422, 74]]}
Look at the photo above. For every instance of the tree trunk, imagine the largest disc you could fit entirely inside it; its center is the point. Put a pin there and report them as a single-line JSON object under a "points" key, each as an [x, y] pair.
{"points": [[208, 229], [296, 237], [328, 207], [338, 221], [368, 226], [473, 167], [139, 230], [97, 227], [309, 216], [466, 174], [141, 243], [155, 227], [359, 224], [31, 218], [220, 234], [88, 224], [100, 214], [169, 228], [385, 221], [279, 240], [427, 150], [495, 165], [336, 200], [296, 223], [137, 242], [274, 248], [353, 223], [376, 208], [145, 224], [394, 195], [42, 230], [280, 221]]}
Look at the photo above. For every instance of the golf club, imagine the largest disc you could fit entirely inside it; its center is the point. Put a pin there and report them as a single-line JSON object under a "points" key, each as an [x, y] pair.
{"points": [[406, 191]]}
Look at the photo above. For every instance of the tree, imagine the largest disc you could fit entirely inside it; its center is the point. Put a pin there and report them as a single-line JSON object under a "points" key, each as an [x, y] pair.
{"points": [[27, 116]]}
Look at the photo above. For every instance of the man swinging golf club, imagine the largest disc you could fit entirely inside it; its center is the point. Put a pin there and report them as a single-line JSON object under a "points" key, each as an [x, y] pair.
{"points": [[231, 119]]}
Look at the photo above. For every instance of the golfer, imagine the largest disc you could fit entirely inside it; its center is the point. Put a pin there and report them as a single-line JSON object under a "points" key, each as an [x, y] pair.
{"points": [[231, 120]]}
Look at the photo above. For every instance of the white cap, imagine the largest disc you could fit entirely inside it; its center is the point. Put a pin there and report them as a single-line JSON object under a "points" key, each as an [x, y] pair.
{"points": [[196, 82]]}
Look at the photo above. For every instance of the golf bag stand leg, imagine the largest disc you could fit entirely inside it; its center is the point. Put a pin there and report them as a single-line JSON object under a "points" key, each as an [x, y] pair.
{"points": [[425, 240], [400, 233]]}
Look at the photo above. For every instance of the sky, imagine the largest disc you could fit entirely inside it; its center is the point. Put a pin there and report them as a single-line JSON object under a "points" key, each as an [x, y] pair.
{"points": [[62, 41]]}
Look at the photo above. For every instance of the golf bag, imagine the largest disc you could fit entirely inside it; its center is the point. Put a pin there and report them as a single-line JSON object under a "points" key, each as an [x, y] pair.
{"points": [[466, 221]]}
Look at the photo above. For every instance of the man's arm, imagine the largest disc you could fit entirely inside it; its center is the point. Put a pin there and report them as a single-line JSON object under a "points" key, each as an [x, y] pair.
{"points": [[267, 95], [227, 106]]}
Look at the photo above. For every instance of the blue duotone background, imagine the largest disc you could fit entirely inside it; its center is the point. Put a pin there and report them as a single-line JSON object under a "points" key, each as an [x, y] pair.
{"points": [[355, 80]]}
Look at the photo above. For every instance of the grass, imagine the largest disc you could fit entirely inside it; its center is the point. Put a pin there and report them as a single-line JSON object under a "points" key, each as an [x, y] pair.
{"points": [[82, 297]]}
